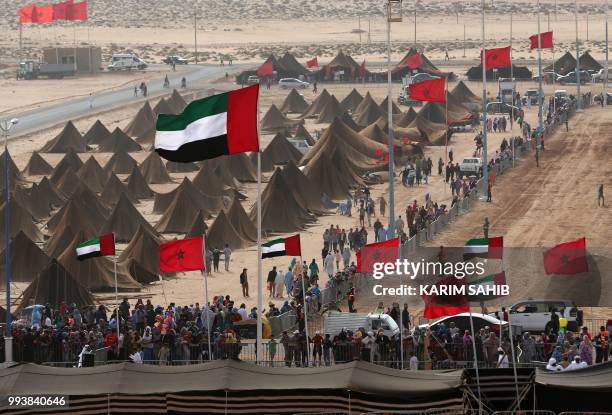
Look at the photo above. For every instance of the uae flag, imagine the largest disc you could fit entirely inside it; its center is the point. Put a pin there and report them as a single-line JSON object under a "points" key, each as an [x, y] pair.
{"points": [[378, 252], [282, 247], [567, 258], [182, 255], [546, 38], [480, 286], [492, 248], [447, 297], [433, 90], [218, 125], [100, 246]]}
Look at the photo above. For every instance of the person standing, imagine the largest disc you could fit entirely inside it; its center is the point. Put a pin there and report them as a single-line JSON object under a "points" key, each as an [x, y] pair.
{"points": [[216, 257], [489, 193], [227, 253], [382, 206], [600, 196], [329, 265], [271, 279], [244, 283], [485, 228]]}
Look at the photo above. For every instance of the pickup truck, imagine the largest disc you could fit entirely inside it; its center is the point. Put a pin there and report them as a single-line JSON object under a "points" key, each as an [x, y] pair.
{"points": [[471, 166]]}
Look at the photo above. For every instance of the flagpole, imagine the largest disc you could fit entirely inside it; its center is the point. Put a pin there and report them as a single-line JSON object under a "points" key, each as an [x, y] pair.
{"points": [[305, 315], [514, 363], [475, 361], [259, 343], [577, 69], [390, 126], [511, 79], [605, 81], [485, 164], [540, 90], [117, 317], [206, 306], [401, 319], [446, 120]]}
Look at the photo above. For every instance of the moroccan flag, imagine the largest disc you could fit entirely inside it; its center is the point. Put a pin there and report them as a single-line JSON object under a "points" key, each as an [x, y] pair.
{"points": [[478, 289], [182, 255], [26, 14], [414, 61], [43, 14], [312, 63], [210, 127], [362, 69], [492, 248], [386, 251], [266, 69], [567, 258], [100, 246], [497, 58], [547, 40], [433, 90], [446, 297], [282, 247], [60, 10], [77, 11]]}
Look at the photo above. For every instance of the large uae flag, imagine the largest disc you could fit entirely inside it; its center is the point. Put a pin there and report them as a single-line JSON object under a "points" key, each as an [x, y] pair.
{"points": [[282, 247], [492, 248], [218, 125], [103, 245]]}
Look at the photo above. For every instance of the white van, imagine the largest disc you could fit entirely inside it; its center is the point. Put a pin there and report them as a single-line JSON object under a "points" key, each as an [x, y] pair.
{"points": [[336, 321], [126, 61]]}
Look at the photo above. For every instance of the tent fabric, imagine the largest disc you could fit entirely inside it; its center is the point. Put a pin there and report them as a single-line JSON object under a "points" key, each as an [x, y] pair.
{"points": [[288, 216], [113, 189], [464, 94], [154, 170], [519, 73], [222, 232], [198, 227], [290, 63], [394, 108], [163, 107], [200, 200], [567, 63], [178, 217], [124, 221], [302, 132], [217, 169], [350, 122], [119, 141], [274, 120], [425, 131], [368, 111], [58, 242], [37, 210], [14, 175], [177, 102], [70, 161], [46, 193], [331, 110], [53, 285], [401, 69], [20, 221], [305, 191], [93, 175], [37, 166], [97, 133], [142, 126], [366, 102], [241, 167], [371, 387], [241, 222], [351, 101], [68, 138], [41, 200], [120, 163], [374, 132], [27, 260], [67, 183], [317, 105], [176, 167], [588, 63], [142, 254], [294, 103], [82, 212], [96, 274], [208, 180], [279, 151], [138, 186], [406, 118], [341, 62]]}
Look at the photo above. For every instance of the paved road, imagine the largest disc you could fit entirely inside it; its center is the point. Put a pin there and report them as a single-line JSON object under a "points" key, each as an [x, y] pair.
{"points": [[39, 118]]}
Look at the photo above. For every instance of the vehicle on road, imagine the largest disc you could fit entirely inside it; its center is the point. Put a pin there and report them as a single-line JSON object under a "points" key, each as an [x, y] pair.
{"points": [[498, 107], [286, 83], [570, 78], [335, 321], [175, 59], [600, 76], [126, 62], [531, 97], [534, 314], [462, 322], [32, 70], [471, 166], [252, 80], [547, 77], [422, 76]]}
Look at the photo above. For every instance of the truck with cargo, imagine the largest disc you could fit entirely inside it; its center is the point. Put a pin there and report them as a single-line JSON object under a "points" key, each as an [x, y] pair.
{"points": [[33, 70]]}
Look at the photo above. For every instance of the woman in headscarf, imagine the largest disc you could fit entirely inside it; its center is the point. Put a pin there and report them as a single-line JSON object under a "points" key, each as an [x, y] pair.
{"points": [[586, 350]]}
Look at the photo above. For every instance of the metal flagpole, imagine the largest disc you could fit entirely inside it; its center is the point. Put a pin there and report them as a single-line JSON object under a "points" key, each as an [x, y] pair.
{"points": [[259, 344], [540, 90], [578, 97], [390, 126], [511, 79], [195, 33], [305, 316], [446, 121], [401, 317], [514, 363], [118, 318], [605, 81], [206, 306], [163, 288], [8, 336], [485, 164], [475, 362]]}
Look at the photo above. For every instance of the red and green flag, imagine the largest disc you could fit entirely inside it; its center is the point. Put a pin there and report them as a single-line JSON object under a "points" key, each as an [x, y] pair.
{"points": [[103, 245]]}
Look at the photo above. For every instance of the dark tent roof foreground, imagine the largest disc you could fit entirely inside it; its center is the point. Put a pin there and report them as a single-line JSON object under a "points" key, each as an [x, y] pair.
{"points": [[291, 64], [352, 100], [37, 166], [317, 105], [120, 163], [275, 120], [142, 126], [294, 102], [279, 151], [27, 260], [20, 220], [119, 141], [97, 133], [68, 138], [567, 63], [154, 170]]}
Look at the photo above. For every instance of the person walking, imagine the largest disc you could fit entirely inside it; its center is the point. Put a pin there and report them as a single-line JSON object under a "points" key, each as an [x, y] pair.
{"points": [[216, 257], [271, 279], [227, 253], [600, 196], [489, 193], [485, 228], [244, 283]]}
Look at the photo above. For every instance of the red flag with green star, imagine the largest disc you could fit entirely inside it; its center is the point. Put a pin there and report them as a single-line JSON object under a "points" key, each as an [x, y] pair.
{"points": [[182, 255], [386, 251]]}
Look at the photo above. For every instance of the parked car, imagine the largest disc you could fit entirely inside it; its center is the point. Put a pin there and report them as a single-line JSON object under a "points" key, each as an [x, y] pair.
{"points": [[177, 60], [570, 78], [597, 98], [498, 107], [252, 80], [531, 97], [126, 61], [286, 83], [462, 322], [534, 314], [471, 166], [300, 144], [336, 321], [422, 77], [599, 76]]}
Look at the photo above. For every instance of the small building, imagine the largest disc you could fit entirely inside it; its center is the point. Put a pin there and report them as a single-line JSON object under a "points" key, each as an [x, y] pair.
{"points": [[88, 58]]}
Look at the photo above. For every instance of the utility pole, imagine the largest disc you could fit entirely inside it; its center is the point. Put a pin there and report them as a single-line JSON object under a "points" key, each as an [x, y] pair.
{"points": [[578, 97], [587, 24], [195, 32], [359, 28], [464, 40], [416, 3], [605, 81]]}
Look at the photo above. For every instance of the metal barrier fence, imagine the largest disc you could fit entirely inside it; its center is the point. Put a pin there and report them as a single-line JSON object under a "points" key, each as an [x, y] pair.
{"points": [[530, 412]]}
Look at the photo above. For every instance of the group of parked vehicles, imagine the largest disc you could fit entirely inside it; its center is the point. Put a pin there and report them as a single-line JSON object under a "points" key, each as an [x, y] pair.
{"points": [[586, 76]]}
